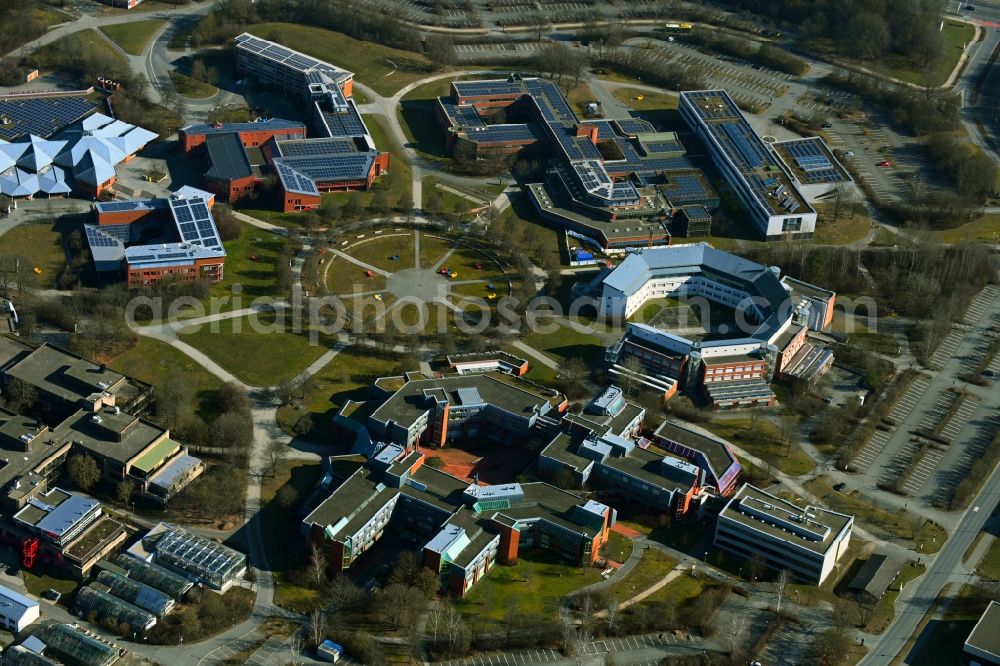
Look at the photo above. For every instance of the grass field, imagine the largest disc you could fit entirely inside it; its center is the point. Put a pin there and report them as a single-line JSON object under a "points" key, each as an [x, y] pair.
{"points": [[956, 35], [421, 128], [984, 230], [895, 524], [566, 343], [379, 250], [841, 232], [193, 88], [535, 586], [40, 245], [450, 202], [152, 361], [279, 527], [369, 61], [658, 108], [133, 36], [885, 610], [764, 440], [618, 547], [256, 275], [579, 96], [260, 358], [348, 376], [989, 566], [523, 217], [42, 578], [653, 566]]}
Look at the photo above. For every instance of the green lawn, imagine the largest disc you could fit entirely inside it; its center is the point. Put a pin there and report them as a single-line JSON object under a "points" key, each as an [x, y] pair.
{"points": [[984, 230], [280, 529], [895, 524], [536, 585], [41, 578], [618, 547], [885, 610], [956, 35], [250, 262], [377, 250], [193, 88], [522, 216], [658, 108], [433, 249], [348, 376], [134, 35], [369, 61], [566, 343], [422, 129], [841, 232], [40, 245], [989, 566], [764, 440], [652, 568], [262, 357], [152, 361], [678, 591], [449, 200]]}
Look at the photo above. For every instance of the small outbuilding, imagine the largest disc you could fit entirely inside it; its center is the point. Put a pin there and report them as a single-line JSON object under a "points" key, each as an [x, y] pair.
{"points": [[16, 610], [876, 575]]}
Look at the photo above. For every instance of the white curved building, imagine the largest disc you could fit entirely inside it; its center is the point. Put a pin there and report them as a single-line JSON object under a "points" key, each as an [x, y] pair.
{"points": [[751, 324]]}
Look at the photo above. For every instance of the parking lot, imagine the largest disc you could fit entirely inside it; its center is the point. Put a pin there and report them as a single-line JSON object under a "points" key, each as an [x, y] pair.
{"points": [[471, 51], [547, 656], [899, 413], [946, 349]]}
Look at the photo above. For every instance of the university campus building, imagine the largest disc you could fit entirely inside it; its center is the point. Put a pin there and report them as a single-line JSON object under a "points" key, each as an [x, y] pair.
{"points": [[740, 325], [417, 410], [79, 156], [807, 541], [340, 156], [81, 409], [465, 528], [774, 183], [612, 183], [146, 241], [601, 447]]}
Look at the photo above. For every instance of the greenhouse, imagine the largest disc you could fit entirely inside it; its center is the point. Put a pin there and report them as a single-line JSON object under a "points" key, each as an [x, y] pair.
{"points": [[210, 563], [76, 648], [155, 576], [156, 602], [110, 608], [19, 656]]}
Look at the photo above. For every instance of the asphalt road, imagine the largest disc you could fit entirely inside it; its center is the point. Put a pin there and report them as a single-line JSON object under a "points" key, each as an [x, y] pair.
{"points": [[919, 601]]}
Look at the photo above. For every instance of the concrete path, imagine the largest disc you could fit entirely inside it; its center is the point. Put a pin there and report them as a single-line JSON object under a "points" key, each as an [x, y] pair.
{"points": [[534, 353], [358, 262]]}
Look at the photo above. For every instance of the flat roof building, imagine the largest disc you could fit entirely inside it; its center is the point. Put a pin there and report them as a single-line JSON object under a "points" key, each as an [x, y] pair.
{"points": [[466, 528], [749, 324], [807, 541], [982, 647], [610, 183], [767, 191]]}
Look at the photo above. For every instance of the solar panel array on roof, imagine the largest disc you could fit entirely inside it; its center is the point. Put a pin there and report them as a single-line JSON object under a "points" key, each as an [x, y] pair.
{"points": [[346, 122], [41, 116], [486, 88], [813, 161], [633, 126], [746, 148], [195, 223], [293, 181]]}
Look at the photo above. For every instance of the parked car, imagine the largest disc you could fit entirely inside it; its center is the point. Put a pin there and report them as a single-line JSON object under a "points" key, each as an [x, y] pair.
{"points": [[840, 487], [52, 595], [827, 125], [885, 164], [849, 153]]}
